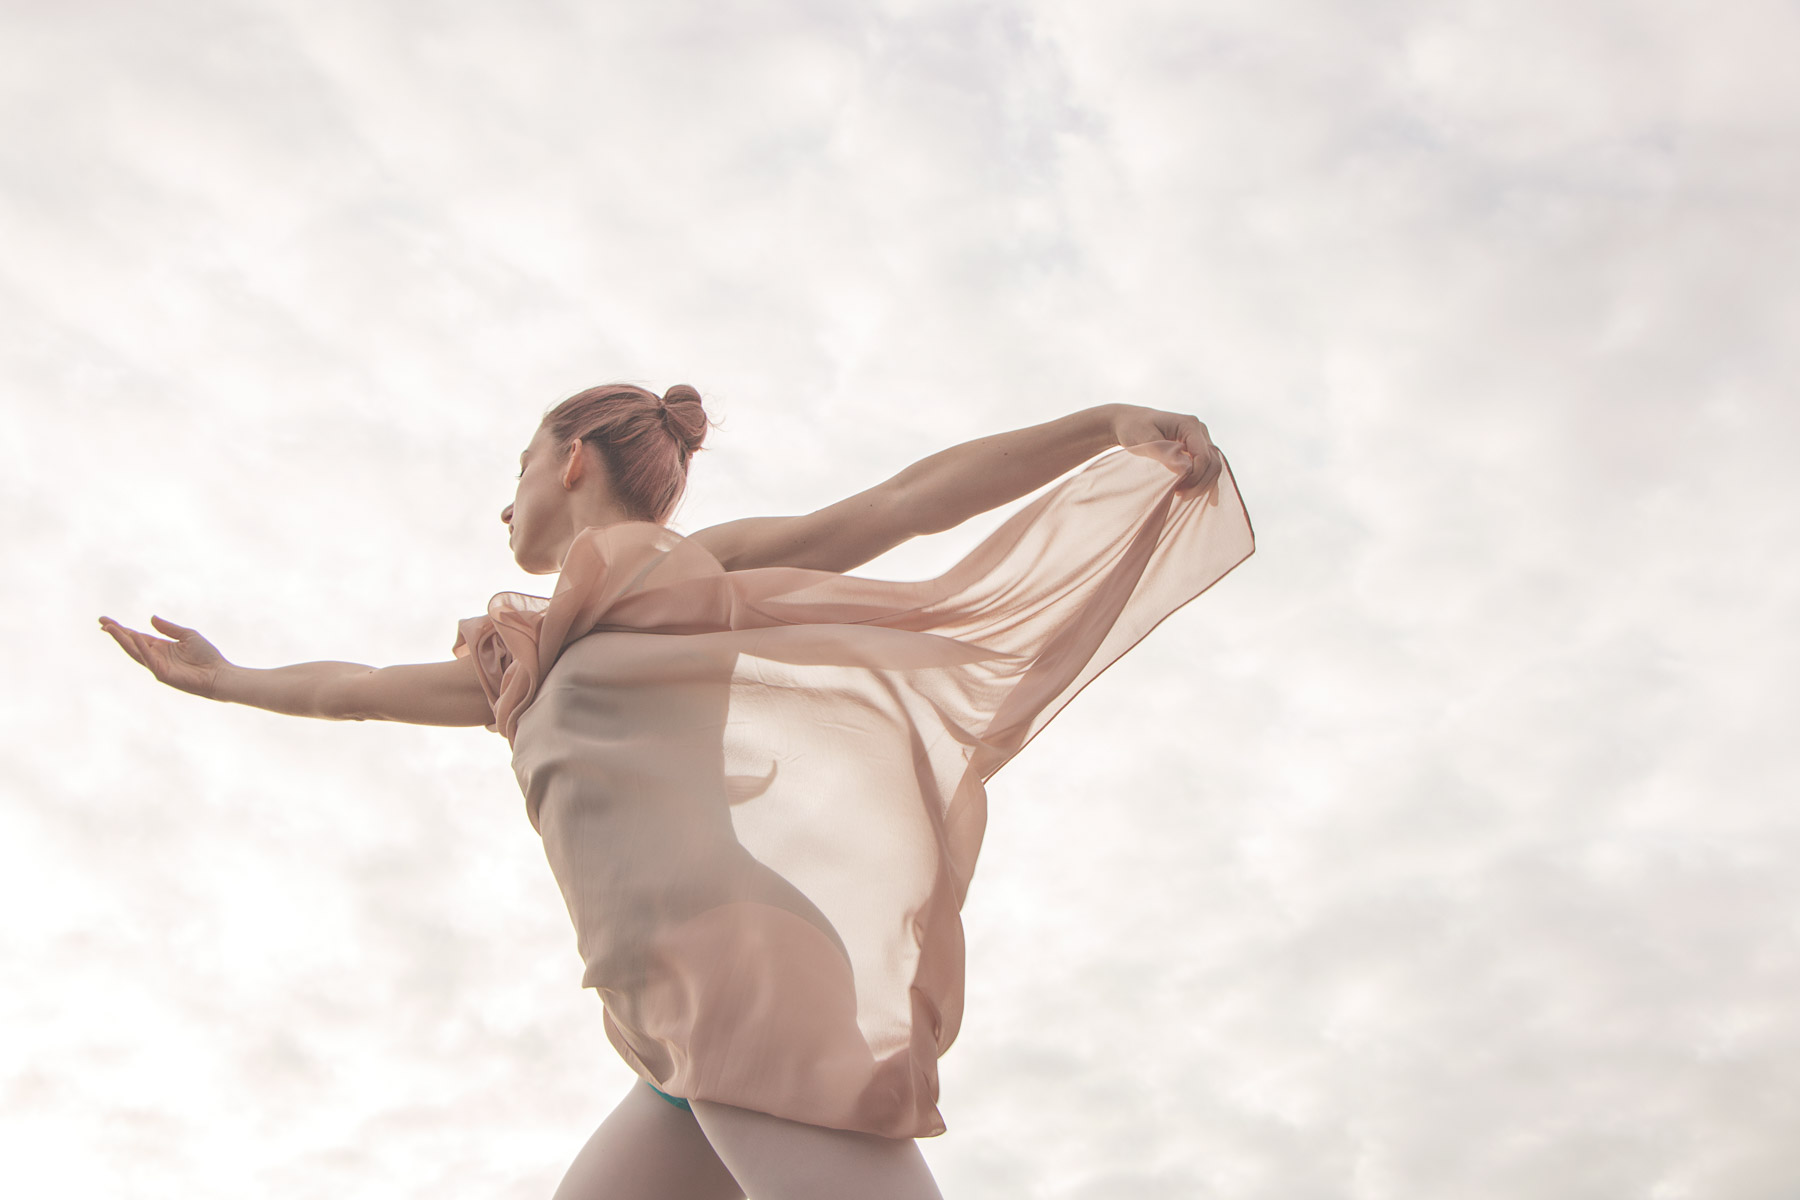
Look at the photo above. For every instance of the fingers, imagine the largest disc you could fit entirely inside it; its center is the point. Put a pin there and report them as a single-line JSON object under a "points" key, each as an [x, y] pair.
{"points": [[1214, 466], [1202, 471], [1196, 442], [136, 644], [171, 628], [1205, 455], [126, 638]]}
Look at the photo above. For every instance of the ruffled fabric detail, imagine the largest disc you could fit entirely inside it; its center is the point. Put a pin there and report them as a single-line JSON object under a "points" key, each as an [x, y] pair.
{"points": [[762, 792], [644, 576]]}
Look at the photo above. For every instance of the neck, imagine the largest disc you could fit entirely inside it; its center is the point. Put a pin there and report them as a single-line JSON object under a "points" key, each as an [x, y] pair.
{"points": [[589, 509]]}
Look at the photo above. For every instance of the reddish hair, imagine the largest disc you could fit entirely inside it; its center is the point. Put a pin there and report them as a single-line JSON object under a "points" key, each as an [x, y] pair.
{"points": [[646, 440]]}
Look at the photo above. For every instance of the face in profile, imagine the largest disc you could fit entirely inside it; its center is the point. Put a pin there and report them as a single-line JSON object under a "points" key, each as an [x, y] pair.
{"points": [[538, 512]]}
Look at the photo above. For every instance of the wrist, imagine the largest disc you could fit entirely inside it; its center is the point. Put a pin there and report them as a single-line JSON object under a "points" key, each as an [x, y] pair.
{"points": [[1108, 416], [1102, 427], [226, 685]]}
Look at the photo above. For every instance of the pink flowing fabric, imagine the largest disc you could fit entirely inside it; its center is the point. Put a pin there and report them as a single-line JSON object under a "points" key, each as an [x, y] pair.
{"points": [[762, 791]]}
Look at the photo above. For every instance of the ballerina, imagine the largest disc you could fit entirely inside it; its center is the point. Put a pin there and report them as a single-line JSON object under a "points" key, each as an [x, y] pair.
{"points": [[760, 781]]}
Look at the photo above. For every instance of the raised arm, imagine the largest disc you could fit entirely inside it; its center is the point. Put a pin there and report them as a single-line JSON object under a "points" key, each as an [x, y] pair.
{"points": [[440, 693], [949, 487]]}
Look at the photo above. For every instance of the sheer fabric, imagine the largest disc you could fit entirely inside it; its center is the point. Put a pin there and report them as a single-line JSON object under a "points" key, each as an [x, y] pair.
{"points": [[762, 792]]}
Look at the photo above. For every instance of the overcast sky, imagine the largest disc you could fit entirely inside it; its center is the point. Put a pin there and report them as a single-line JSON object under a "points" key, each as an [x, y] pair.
{"points": [[1447, 848]]}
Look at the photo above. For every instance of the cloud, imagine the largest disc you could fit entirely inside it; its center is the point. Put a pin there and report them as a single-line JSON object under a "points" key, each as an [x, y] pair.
{"points": [[1438, 851]]}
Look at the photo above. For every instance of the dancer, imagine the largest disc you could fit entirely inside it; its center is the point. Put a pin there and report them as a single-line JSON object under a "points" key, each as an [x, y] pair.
{"points": [[760, 781]]}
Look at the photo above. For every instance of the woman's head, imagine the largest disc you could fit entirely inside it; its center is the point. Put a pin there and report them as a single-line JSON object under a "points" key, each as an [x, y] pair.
{"points": [[645, 441], [608, 454]]}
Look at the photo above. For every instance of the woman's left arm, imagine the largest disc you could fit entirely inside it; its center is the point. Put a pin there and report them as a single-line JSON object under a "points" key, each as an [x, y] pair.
{"points": [[953, 485], [949, 487]]}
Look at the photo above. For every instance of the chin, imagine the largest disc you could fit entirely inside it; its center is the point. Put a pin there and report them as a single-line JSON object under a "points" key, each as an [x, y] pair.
{"points": [[522, 558]]}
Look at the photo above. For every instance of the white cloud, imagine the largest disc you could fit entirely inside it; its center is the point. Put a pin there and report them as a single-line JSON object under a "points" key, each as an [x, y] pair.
{"points": [[1437, 851]]}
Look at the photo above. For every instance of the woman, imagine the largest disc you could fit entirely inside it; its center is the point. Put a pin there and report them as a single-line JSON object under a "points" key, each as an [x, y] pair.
{"points": [[760, 781]]}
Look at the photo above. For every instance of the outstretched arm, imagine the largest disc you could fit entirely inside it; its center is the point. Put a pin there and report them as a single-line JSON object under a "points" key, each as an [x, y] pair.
{"points": [[949, 487], [442, 693]]}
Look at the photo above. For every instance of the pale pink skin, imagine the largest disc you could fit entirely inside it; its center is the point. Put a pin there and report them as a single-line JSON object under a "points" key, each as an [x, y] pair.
{"points": [[647, 1147], [564, 493], [558, 496]]}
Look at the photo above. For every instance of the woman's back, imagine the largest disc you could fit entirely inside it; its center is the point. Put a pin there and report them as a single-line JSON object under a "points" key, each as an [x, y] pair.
{"points": [[762, 792]]}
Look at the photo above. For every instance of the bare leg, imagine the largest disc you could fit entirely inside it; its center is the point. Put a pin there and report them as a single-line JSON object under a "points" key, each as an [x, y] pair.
{"points": [[647, 1149], [777, 1159]]}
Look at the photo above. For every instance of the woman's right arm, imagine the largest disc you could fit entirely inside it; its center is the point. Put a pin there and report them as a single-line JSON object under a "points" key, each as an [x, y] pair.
{"points": [[440, 693]]}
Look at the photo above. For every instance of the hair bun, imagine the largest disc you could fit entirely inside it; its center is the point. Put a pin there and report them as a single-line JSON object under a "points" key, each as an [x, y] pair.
{"points": [[685, 416]]}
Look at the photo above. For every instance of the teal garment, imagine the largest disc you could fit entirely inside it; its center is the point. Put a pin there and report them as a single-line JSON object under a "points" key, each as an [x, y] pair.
{"points": [[677, 1101]]}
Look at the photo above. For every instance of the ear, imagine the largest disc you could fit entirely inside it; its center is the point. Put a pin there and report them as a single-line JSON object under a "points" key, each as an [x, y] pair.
{"points": [[577, 466]]}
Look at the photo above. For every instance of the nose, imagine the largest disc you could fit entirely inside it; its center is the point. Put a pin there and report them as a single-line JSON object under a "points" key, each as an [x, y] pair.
{"points": [[506, 515]]}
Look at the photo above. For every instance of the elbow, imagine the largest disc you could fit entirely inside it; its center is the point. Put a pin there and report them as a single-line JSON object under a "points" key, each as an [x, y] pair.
{"points": [[346, 698], [912, 515]]}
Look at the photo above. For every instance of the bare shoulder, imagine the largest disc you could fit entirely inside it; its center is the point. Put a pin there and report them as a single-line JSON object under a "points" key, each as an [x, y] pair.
{"points": [[725, 542]]}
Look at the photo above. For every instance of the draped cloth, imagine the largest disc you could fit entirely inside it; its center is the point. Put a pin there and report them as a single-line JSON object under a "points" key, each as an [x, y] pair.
{"points": [[762, 791]]}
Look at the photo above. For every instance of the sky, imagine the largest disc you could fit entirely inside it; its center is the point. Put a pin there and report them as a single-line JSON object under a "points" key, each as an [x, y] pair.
{"points": [[1445, 848]]}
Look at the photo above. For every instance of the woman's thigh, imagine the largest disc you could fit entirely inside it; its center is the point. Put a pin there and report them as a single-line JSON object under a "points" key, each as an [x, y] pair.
{"points": [[647, 1149], [778, 1159]]}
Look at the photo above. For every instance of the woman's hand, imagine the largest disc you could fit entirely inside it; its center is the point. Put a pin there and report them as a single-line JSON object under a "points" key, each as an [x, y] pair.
{"points": [[1193, 455], [189, 662]]}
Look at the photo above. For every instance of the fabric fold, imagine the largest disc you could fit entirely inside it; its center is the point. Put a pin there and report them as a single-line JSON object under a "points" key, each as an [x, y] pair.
{"points": [[762, 792]]}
